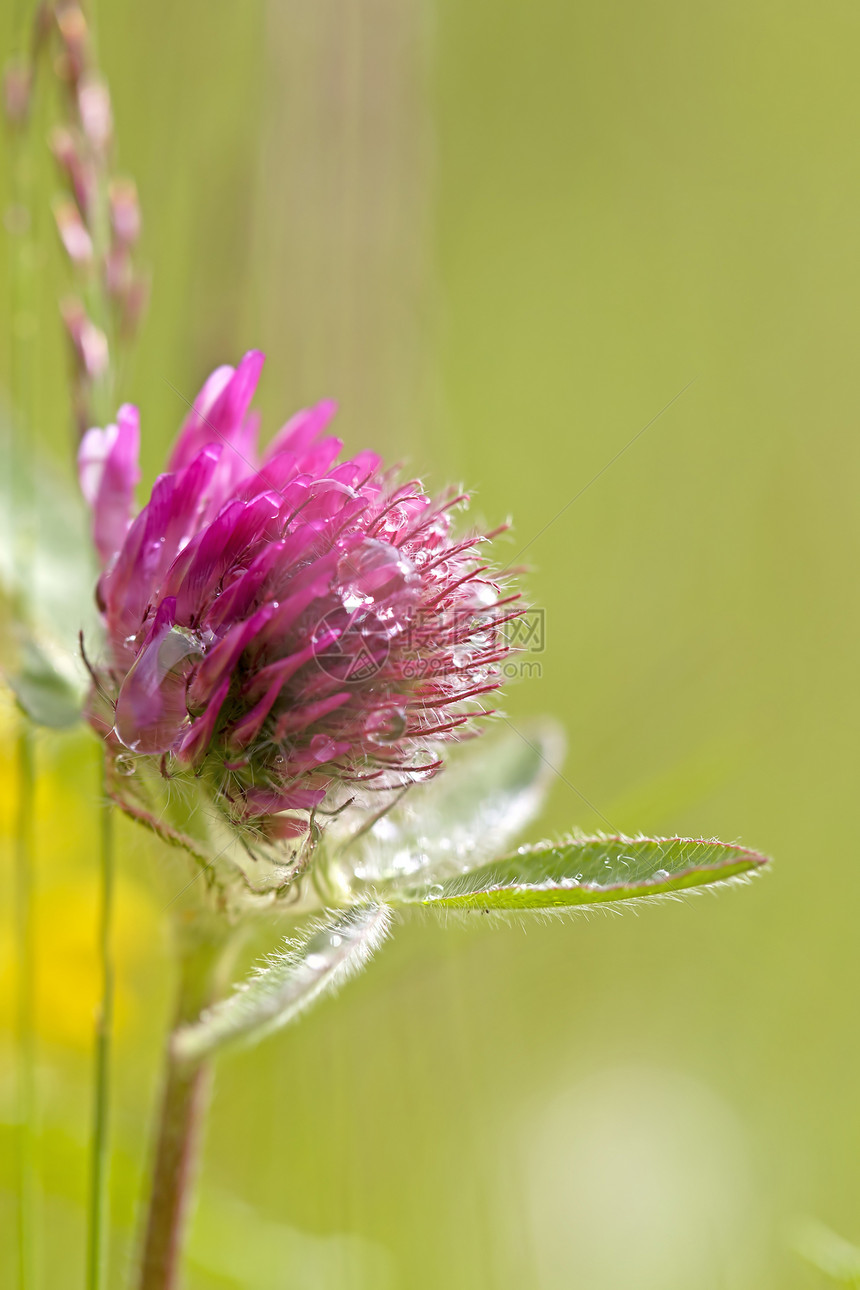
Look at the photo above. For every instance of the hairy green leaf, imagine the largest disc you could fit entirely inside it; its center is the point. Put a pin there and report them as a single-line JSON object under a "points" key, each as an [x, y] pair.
{"points": [[44, 692], [474, 810], [589, 871], [325, 956], [47, 584]]}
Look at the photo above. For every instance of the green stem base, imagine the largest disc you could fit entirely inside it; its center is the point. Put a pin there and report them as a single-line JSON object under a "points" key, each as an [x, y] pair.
{"points": [[184, 1103]]}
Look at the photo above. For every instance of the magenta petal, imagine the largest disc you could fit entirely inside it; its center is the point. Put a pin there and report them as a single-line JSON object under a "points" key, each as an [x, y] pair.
{"points": [[246, 730], [223, 657], [224, 542], [159, 531], [280, 828], [151, 709], [282, 670], [196, 742], [263, 801], [276, 632], [218, 415], [230, 408], [245, 591], [301, 430], [302, 717], [108, 471], [362, 467], [196, 433]]}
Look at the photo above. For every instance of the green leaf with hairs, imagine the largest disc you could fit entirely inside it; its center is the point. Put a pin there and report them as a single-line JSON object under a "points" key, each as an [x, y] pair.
{"points": [[47, 585], [589, 871], [477, 808], [327, 954], [43, 691]]}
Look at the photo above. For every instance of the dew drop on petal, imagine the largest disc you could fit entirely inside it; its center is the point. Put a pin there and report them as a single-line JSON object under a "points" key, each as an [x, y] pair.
{"points": [[322, 748], [386, 725]]}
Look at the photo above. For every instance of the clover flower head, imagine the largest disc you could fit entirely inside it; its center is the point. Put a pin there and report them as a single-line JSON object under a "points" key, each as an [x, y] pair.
{"points": [[297, 631]]}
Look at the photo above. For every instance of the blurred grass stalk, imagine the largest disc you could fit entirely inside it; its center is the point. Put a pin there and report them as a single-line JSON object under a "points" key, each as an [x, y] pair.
{"points": [[98, 1199], [22, 358], [33, 28]]}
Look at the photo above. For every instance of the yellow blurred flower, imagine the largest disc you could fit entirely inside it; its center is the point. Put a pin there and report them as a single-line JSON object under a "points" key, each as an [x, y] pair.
{"points": [[66, 892]]}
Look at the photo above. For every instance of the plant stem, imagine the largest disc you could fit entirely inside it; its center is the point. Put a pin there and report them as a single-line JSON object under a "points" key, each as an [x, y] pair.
{"points": [[99, 1160], [178, 1134], [26, 1047]]}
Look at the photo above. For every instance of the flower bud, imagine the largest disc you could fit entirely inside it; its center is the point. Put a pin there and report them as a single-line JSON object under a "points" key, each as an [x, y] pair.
{"points": [[74, 35], [68, 154], [124, 211], [73, 233], [88, 341], [95, 111]]}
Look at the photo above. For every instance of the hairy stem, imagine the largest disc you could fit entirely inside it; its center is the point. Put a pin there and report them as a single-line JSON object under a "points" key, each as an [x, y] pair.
{"points": [[99, 1159], [26, 1033], [179, 1127]]}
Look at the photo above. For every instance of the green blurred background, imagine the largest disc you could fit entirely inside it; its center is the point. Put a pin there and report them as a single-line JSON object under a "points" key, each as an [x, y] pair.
{"points": [[505, 237]]}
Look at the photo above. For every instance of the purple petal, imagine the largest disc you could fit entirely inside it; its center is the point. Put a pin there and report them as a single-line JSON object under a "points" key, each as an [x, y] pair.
{"points": [[219, 411], [282, 670], [151, 708], [108, 471], [195, 433], [163, 527], [302, 717], [263, 801], [301, 430], [223, 657], [222, 544], [196, 742]]}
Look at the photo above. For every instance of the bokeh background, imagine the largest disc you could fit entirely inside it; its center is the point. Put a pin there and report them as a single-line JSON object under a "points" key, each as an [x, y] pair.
{"points": [[505, 237]]}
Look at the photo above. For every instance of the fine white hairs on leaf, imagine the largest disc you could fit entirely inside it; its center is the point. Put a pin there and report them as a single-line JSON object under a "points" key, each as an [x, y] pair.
{"points": [[327, 954]]}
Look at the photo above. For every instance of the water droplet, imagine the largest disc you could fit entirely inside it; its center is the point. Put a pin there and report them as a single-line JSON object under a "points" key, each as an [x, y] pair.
{"points": [[394, 520], [335, 940], [386, 725], [322, 748], [485, 595], [660, 875], [316, 962], [438, 527], [461, 656], [435, 891], [124, 765], [352, 600]]}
